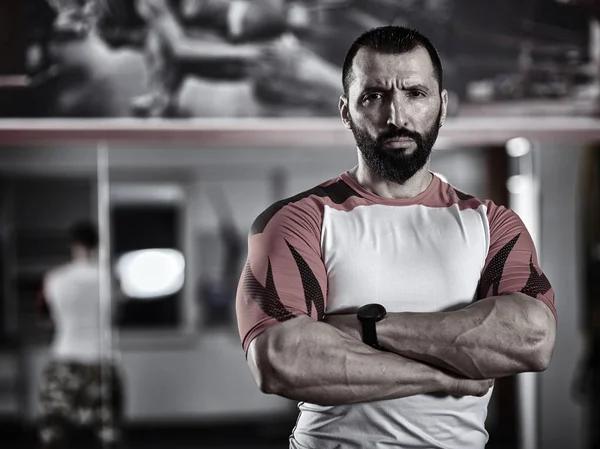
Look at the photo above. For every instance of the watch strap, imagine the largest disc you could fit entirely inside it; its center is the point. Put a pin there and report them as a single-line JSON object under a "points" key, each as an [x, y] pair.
{"points": [[369, 332]]}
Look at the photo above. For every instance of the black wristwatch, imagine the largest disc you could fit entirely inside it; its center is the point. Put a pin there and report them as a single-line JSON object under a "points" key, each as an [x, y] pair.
{"points": [[369, 315]]}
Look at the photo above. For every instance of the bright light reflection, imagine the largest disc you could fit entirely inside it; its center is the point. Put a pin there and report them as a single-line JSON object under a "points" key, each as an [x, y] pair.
{"points": [[151, 273], [517, 147]]}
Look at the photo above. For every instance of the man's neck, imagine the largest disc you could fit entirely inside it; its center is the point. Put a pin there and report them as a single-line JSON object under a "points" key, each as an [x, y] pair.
{"points": [[81, 255], [387, 189]]}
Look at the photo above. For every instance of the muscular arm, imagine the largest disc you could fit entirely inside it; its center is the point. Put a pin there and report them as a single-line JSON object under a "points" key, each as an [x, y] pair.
{"points": [[305, 360], [493, 337]]}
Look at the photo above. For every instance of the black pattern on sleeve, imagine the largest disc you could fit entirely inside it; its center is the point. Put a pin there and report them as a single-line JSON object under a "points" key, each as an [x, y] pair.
{"points": [[463, 196], [266, 297], [312, 289], [337, 192], [537, 284], [492, 275]]}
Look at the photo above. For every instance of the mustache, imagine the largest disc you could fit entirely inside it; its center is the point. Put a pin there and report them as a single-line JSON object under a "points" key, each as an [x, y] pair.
{"points": [[397, 133]]}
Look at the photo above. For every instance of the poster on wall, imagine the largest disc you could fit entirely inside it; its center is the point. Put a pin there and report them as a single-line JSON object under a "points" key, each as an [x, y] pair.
{"points": [[283, 58]]}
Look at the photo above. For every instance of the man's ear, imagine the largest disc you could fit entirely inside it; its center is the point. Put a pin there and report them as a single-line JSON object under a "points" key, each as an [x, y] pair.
{"points": [[444, 106], [344, 111]]}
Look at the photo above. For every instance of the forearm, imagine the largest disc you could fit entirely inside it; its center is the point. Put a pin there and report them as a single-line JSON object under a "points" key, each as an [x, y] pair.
{"points": [[314, 362], [493, 337]]}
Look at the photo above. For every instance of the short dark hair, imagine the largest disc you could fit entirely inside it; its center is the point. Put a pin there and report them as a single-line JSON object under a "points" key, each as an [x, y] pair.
{"points": [[84, 233], [394, 40]]}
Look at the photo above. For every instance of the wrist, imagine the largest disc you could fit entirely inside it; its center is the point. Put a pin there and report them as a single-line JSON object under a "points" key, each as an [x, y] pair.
{"points": [[369, 315], [434, 380], [439, 381]]}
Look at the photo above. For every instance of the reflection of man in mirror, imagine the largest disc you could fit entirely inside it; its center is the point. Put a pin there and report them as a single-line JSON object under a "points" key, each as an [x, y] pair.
{"points": [[81, 384], [231, 40]]}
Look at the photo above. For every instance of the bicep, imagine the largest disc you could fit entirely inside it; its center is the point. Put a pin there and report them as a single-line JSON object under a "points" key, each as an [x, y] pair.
{"points": [[284, 278], [512, 265]]}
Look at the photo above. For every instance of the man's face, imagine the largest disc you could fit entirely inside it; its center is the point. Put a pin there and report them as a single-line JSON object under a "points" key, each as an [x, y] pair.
{"points": [[394, 109]]}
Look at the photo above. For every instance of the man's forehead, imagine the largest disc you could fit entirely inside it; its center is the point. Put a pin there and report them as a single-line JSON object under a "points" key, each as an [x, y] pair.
{"points": [[413, 66]]}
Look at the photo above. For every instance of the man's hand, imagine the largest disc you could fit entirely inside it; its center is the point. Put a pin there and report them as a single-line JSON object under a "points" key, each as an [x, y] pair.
{"points": [[347, 323], [460, 386]]}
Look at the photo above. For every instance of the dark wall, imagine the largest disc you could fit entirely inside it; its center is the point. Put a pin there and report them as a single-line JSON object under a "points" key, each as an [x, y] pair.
{"points": [[13, 37]]}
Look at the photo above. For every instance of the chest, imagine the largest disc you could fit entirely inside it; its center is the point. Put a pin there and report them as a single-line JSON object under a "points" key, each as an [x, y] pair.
{"points": [[410, 258]]}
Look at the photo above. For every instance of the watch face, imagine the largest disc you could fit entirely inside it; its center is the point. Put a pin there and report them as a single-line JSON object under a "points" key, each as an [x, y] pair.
{"points": [[371, 312]]}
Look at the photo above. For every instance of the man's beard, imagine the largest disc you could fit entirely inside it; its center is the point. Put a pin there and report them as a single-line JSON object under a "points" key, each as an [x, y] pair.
{"points": [[396, 164]]}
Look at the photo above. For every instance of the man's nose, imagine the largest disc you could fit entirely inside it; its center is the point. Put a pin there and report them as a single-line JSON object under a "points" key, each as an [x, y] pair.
{"points": [[397, 113]]}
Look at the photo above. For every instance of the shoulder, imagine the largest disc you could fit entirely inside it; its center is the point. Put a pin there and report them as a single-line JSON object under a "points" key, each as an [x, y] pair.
{"points": [[304, 209], [450, 195], [57, 274], [60, 270], [498, 219], [501, 216], [493, 211]]}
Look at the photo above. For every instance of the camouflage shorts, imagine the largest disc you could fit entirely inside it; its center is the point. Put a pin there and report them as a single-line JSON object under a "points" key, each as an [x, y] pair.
{"points": [[75, 394]]}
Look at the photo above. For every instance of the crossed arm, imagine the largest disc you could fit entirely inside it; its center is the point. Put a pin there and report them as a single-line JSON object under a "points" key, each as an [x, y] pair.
{"points": [[457, 352], [493, 337], [307, 360]]}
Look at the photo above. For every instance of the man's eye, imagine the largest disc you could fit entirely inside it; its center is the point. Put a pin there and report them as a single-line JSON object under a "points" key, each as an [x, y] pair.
{"points": [[372, 97], [416, 94]]}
